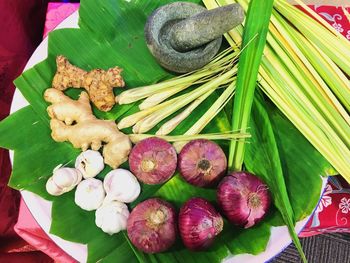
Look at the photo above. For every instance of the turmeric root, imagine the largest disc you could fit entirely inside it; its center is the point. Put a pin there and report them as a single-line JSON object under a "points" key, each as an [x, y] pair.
{"points": [[97, 82], [73, 121]]}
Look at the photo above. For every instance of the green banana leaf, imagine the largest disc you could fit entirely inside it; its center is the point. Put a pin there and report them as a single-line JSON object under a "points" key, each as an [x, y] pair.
{"points": [[111, 33]]}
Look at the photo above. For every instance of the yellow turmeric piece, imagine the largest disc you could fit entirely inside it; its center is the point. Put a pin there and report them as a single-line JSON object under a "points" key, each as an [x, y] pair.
{"points": [[98, 83], [73, 121]]}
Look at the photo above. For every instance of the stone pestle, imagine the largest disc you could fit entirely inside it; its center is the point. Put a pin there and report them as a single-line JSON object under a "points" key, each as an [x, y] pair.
{"points": [[204, 27], [184, 36]]}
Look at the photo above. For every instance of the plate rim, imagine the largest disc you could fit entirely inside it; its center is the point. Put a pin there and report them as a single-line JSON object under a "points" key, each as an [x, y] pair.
{"points": [[278, 235]]}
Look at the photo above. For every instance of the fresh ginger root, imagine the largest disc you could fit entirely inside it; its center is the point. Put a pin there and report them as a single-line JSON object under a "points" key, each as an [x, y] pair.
{"points": [[73, 121], [98, 83]]}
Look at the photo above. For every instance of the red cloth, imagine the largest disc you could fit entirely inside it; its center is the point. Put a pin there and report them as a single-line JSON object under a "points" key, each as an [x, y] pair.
{"points": [[20, 33], [332, 214], [333, 211]]}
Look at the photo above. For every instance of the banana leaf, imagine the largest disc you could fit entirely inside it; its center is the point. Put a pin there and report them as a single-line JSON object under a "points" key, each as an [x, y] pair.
{"points": [[110, 34]]}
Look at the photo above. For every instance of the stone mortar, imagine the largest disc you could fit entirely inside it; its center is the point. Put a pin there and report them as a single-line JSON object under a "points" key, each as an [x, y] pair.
{"points": [[157, 33]]}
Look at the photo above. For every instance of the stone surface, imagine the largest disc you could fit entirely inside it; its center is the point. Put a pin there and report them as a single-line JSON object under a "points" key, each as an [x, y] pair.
{"points": [[184, 36], [157, 35], [204, 27]]}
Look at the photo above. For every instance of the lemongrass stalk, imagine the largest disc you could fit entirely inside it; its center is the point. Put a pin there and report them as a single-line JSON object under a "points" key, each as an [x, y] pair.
{"points": [[137, 118], [338, 51], [343, 113], [226, 55], [335, 78], [286, 88], [217, 106], [293, 88], [320, 65], [333, 149], [309, 86], [148, 109], [291, 35], [152, 120], [159, 97], [215, 66], [171, 124], [135, 138], [203, 121], [298, 118], [139, 93], [136, 127], [302, 120], [130, 120], [330, 145]]}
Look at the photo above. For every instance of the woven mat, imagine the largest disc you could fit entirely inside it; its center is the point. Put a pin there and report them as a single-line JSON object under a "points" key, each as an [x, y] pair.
{"points": [[326, 248]]}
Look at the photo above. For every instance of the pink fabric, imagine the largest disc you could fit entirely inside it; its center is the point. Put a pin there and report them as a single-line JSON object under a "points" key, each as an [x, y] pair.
{"points": [[332, 214], [31, 232], [26, 226], [56, 13]]}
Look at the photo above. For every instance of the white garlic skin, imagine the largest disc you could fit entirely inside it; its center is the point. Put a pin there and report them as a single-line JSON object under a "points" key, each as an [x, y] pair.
{"points": [[121, 185], [112, 217], [89, 194], [89, 163], [63, 180]]}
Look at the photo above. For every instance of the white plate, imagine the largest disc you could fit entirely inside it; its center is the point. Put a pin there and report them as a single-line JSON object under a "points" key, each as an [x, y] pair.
{"points": [[41, 209]]}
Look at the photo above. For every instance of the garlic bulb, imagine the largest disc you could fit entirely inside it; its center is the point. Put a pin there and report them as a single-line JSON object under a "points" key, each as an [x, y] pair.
{"points": [[121, 185], [112, 216], [63, 180], [89, 163], [89, 194]]}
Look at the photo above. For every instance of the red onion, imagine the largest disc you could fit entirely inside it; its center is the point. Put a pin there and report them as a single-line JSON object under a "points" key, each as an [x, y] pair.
{"points": [[243, 198], [199, 223], [202, 163], [151, 226], [153, 160]]}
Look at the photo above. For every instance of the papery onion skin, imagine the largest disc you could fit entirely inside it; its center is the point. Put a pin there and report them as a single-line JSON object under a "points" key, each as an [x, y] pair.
{"points": [[243, 198], [151, 226], [199, 224], [153, 160], [202, 163]]}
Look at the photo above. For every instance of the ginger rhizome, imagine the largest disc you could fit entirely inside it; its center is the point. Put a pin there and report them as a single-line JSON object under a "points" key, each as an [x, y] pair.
{"points": [[73, 121], [98, 83]]}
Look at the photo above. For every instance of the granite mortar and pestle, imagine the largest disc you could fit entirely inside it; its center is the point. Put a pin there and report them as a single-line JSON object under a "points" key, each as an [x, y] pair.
{"points": [[184, 36]]}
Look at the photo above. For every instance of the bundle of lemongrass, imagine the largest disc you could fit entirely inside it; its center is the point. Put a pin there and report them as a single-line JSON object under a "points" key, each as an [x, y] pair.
{"points": [[303, 72], [219, 73]]}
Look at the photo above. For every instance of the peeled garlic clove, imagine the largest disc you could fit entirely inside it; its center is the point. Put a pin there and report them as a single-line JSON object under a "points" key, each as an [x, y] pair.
{"points": [[112, 217], [121, 185], [89, 194], [63, 180], [52, 188], [89, 163], [67, 177]]}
